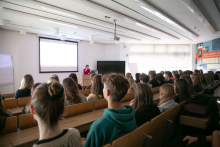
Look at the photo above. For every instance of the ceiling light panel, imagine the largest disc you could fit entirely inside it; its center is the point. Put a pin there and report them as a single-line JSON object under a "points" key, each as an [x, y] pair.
{"points": [[162, 16], [199, 15]]}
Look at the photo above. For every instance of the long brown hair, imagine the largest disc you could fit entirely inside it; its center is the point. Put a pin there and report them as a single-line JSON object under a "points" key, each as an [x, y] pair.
{"points": [[48, 102], [166, 93], [196, 80], [190, 84], [27, 81], [71, 91], [131, 83], [182, 89], [74, 76], [208, 79], [97, 86], [143, 96]]}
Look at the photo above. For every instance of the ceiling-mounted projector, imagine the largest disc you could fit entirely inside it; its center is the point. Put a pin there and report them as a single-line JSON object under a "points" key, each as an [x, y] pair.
{"points": [[115, 37]]}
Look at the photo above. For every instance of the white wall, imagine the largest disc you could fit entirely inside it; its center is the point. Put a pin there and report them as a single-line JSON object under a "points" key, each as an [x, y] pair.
{"points": [[25, 52]]}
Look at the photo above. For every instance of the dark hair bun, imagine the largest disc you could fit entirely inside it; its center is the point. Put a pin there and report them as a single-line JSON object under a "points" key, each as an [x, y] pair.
{"points": [[54, 89]]}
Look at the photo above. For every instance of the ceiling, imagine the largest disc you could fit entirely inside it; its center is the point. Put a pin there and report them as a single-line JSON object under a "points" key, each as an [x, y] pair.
{"points": [[89, 18]]}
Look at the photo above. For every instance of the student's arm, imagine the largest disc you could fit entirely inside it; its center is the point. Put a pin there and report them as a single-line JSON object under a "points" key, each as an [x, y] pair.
{"points": [[94, 138], [16, 95], [215, 139]]}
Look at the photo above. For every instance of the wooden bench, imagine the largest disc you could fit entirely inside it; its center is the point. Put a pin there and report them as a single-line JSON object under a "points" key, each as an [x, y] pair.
{"points": [[128, 97], [10, 125], [135, 138], [78, 109], [193, 121], [27, 121], [23, 101], [10, 95], [9, 103], [85, 92], [101, 103]]}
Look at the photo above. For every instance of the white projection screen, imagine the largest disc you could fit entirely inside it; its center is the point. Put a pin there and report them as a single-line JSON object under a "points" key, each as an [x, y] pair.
{"points": [[57, 56]]}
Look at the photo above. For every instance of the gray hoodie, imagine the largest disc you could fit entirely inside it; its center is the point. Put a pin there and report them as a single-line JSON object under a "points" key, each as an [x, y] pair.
{"points": [[167, 105]]}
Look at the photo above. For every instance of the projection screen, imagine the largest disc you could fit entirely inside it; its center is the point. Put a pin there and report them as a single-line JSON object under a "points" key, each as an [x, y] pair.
{"points": [[57, 56]]}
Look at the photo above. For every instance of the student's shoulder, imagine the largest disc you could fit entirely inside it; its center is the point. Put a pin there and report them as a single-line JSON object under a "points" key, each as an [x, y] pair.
{"points": [[73, 131], [100, 123]]}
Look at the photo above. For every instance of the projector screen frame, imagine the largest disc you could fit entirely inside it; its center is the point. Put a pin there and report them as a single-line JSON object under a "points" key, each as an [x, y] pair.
{"points": [[62, 41]]}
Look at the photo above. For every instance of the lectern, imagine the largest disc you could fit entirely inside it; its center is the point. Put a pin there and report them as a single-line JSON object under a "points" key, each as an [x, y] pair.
{"points": [[84, 80]]}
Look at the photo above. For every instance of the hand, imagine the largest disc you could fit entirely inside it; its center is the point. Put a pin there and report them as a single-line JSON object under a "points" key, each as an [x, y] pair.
{"points": [[83, 141], [190, 139], [132, 103]]}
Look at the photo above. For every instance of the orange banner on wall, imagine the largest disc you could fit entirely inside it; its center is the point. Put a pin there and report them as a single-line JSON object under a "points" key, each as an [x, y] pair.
{"points": [[201, 55]]}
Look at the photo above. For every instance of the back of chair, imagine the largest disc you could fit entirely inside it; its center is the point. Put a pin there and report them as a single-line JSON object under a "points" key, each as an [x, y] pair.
{"points": [[135, 138], [128, 97], [78, 109], [9, 95], [27, 121], [10, 125], [9, 103], [23, 101], [100, 103], [85, 92], [175, 111], [155, 90], [158, 127]]}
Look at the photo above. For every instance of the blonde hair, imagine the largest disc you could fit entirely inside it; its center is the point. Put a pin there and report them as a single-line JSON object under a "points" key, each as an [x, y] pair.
{"points": [[166, 93], [131, 83], [53, 78], [27, 82], [196, 80]]}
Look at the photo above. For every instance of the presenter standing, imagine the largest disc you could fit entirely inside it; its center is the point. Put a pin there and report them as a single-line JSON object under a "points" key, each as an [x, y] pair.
{"points": [[86, 71]]}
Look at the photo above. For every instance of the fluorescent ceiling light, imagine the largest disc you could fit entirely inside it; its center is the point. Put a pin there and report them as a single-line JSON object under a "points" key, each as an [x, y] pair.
{"points": [[58, 23], [58, 12], [165, 18], [199, 15]]}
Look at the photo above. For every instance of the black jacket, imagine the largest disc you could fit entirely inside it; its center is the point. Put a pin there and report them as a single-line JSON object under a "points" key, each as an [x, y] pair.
{"points": [[146, 113], [154, 83], [163, 82], [22, 93]]}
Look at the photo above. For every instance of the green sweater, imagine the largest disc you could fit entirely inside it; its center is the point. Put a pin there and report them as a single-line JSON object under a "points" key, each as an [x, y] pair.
{"points": [[113, 124]]}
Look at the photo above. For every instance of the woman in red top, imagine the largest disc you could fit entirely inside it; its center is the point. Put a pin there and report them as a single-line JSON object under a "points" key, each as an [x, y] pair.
{"points": [[86, 71]]}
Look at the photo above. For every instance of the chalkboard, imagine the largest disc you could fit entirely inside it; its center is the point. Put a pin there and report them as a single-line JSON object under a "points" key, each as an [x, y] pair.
{"points": [[216, 44]]}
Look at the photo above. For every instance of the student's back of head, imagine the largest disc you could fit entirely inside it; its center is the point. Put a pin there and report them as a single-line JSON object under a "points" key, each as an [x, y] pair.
{"points": [[143, 96], [71, 91], [144, 78], [131, 83], [53, 78], [166, 93], [74, 77], [117, 85], [137, 75], [152, 74], [48, 103], [160, 77], [182, 90], [168, 74], [207, 79], [189, 83], [128, 74], [97, 86], [27, 82], [196, 80]]}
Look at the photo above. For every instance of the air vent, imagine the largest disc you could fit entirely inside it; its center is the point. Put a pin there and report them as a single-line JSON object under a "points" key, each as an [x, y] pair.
{"points": [[217, 4]]}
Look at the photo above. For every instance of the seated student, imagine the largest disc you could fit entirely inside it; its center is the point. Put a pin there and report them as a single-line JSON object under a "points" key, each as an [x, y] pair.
{"points": [[47, 106], [96, 89], [53, 78], [214, 139], [91, 76], [131, 83], [153, 81], [196, 71], [25, 90], [176, 77], [128, 74], [181, 88], [137, 80], [211, 74], [166, 97], [201, 71], [3, 115], [71, 92], [189, 83], [118, 119], [145, 79], [160, 78], [197, 84], [162, 72], [168, 77], [216, 78], [218, 73], [74, 76], [208, 82], [180, 72], [202, 78], [26, 110], [143, 104]]}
